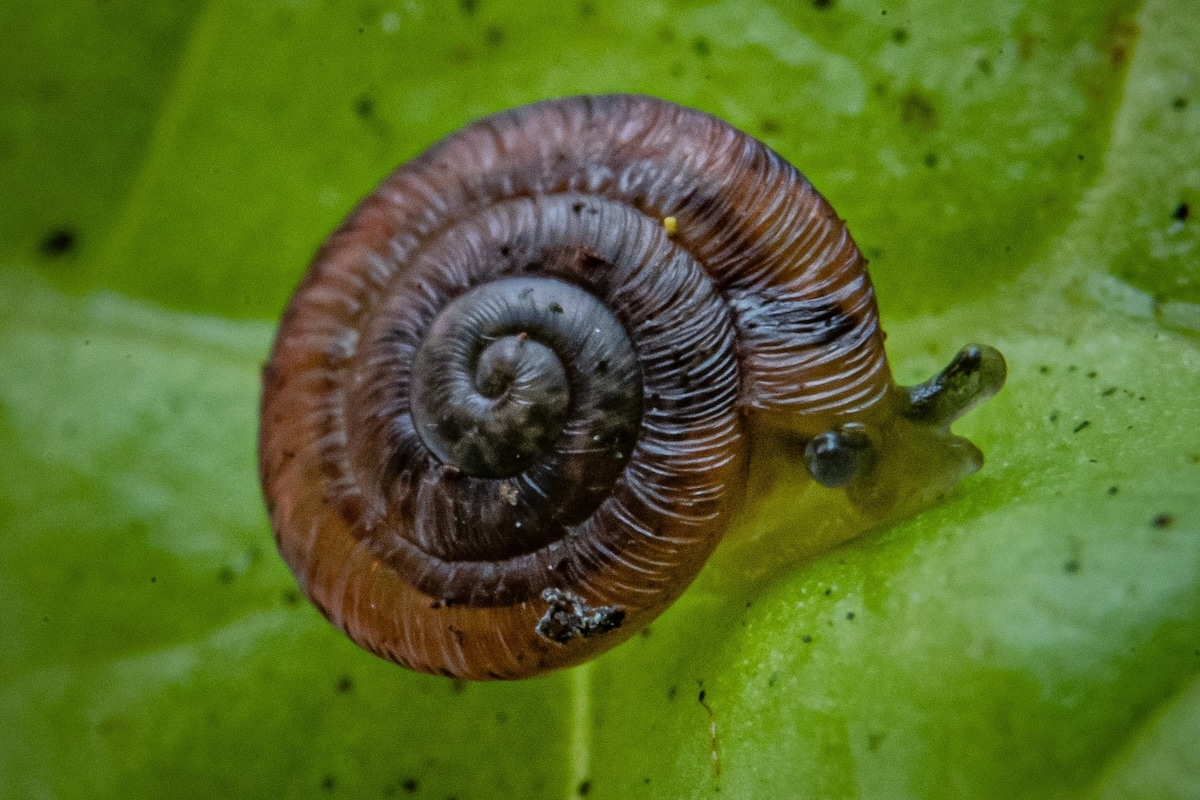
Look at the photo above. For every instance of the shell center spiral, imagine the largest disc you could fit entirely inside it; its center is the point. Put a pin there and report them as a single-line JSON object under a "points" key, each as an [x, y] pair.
{"points": [[494, 376]]}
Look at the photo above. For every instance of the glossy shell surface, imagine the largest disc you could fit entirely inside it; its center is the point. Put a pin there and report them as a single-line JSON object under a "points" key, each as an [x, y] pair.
{"points": [[452, 548]]}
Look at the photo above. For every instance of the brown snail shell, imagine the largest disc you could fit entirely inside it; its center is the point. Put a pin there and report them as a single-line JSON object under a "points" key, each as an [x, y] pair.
{"points": [[504, 422]]}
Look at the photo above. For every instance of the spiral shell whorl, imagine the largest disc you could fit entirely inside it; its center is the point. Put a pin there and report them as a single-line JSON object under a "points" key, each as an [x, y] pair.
{"points": [[758, 303]]}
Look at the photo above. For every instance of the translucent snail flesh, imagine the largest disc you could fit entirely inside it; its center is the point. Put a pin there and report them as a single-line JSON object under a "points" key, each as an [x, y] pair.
{"points": [[505, 419]]}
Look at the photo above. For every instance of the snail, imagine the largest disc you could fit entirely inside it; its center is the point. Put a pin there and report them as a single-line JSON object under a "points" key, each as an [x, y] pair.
{"points": [[509, 410]]}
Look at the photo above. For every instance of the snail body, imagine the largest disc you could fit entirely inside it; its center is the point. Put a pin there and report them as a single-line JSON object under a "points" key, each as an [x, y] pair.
{"points": [[506, 415]]}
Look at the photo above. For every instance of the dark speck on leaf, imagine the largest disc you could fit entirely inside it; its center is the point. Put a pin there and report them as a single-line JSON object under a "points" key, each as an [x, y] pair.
{"points": [[364, 106], [822, 4], [329, 783], [1071, 566], [410, 785], [344, 684], [850, 615], [806, 639], [1112, 490], [1179, 103], [58, 242], [1081, 426], [1182, 212], [468, 6], [493, 36], [918, 110], [1163, 521], [770, 125], [585, 788], [225, 575], [900, 35], [931, 160], [701, 47]]}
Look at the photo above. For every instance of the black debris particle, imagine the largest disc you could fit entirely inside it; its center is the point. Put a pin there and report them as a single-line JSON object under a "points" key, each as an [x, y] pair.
{"points": [[806, 639], [410, 785], [493, 36], [1163, 521], [1181, 212], [1081, 426], [850, 615], [1109, 392], [585, 788], [568, 617], [702, 695], [59, 242], [344, 685], [1179, 103], [555, 308]]}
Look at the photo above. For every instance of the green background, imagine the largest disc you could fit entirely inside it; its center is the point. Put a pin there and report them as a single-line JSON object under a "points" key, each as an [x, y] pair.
{"points": [[1022, 174]]}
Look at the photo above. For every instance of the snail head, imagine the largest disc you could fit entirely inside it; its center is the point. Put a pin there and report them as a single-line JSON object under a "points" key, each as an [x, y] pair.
{"points": [[903, 460]]}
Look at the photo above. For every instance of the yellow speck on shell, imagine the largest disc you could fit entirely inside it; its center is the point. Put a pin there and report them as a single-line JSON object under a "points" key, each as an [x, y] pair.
{"points": [[670, 225]]}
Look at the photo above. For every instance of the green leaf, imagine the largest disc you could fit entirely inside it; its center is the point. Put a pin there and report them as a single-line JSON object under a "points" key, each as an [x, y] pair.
{"points": [[1020, 174]]}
